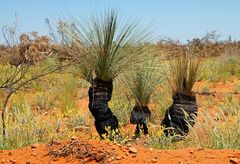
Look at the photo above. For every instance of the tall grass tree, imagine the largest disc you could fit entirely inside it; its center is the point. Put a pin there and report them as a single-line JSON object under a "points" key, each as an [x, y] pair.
{"points": [[104, 47], [182, 73]]}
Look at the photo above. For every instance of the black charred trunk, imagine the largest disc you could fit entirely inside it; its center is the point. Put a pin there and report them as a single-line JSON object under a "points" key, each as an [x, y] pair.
{"points": [[100, 93], [139, 116], [180, 115]]}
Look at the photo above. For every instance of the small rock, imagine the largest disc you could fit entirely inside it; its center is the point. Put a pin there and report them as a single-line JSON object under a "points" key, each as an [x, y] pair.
{"points": [[10, 153], [27, 162], [100, 157], [127, 154], [3, 160], [134, 155], [81, 128], [34, 154], [231, 156], [133, 150], [129, 145], [210, 157], [55, 142], [200, 149], [153, 160], [118, 157], [34, 146], [151, 149], [74, 138], [13, 161], [110, 160], [234, 160]]}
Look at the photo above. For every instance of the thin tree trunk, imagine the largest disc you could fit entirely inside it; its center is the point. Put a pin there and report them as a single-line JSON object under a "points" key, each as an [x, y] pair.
{"points": [[3, 114]]}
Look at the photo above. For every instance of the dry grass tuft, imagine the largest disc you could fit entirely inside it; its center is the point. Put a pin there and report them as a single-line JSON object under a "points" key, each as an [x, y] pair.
{"points": [[185, 70]]}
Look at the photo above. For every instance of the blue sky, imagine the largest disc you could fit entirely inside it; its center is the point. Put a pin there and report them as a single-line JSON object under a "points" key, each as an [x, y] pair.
{"points": [[176, 19]]}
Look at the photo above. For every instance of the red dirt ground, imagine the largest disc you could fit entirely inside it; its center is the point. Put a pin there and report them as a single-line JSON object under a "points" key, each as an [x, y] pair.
{"points": [[92, 151], [106, 152]]}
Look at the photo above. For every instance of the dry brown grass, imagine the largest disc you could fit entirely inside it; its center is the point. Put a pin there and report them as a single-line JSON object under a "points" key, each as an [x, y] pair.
{"points": [[32, 48]]}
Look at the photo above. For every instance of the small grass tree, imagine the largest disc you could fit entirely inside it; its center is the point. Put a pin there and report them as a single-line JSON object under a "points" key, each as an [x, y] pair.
{"points": [[141, 88], [182, 73], [104, 47]]}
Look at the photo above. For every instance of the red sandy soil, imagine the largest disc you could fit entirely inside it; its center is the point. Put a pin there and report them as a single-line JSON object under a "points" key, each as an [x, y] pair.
{"points": [[107, 152], [92, 151]]}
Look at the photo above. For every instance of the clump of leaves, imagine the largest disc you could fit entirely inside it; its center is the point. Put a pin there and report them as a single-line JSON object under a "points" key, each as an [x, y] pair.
{"points": [[143, 83], [185, 70], [104, 46]]}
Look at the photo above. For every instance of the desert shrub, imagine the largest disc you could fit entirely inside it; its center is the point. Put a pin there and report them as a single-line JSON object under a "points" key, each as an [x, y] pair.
{"points": [[216, 134], [44, 101], [229, 63], [230, 106], [120, 103], [160, 102], [29, 48], [222, 67], [77, 118], [122, 109], [209, 133], [66, 91], [237, 88], [20, 102], [23, 128], [205, 89]]}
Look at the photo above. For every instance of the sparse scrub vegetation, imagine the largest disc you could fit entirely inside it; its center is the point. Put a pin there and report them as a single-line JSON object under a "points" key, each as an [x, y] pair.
{"points": [[47, 100], [216, 134], [112, 65]]}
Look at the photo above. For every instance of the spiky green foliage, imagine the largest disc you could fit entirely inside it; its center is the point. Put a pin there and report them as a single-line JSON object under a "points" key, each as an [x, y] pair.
{"points": [[144, 82], [104, 46], [185, 70]]}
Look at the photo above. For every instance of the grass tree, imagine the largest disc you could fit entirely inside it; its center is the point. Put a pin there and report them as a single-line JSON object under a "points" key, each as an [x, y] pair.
{"points": [[182, 73], [104, 47], [141, 87]]}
